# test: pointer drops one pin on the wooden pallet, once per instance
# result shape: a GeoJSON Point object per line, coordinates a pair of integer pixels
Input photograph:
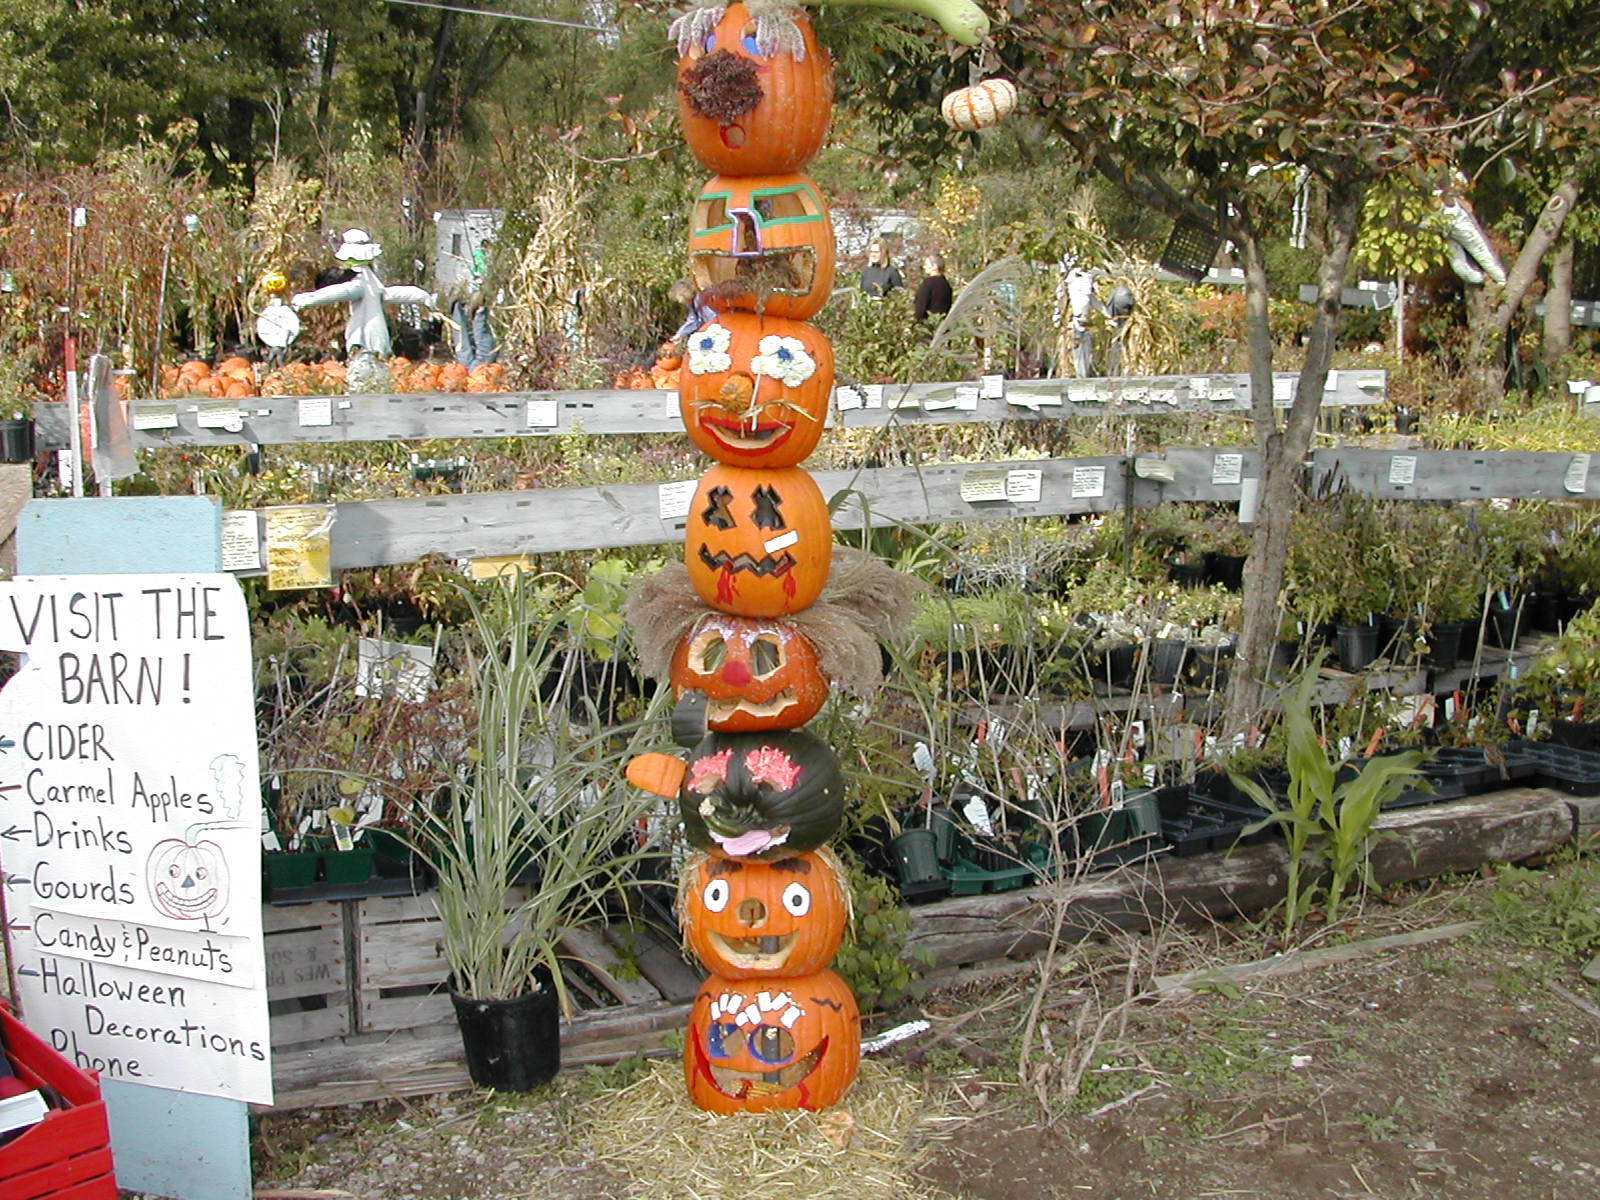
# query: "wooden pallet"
{"type": "Point", "coordinates": [308, 977]}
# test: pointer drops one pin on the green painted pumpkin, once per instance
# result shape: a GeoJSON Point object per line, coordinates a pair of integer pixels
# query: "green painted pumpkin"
{"type": "Point", "coordinates": [763, 796]}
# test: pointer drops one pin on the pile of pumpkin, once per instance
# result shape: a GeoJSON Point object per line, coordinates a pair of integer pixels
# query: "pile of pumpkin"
{"type": "Point", "coordinates": [663, 373]}
{"type": "Point", "coordinates": [446, 377]}
{"type": "Point", "coordinates": [735, 626]}
{"type": "Point", "coordinates": [232, 377]}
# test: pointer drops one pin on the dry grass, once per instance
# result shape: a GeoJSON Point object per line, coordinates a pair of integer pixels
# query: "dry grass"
{"type": "Point", "coordinates": [867, 1148]}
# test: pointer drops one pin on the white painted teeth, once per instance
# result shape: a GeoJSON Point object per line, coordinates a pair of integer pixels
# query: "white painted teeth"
{"type": "Point", "coordinates": [734, 1007]}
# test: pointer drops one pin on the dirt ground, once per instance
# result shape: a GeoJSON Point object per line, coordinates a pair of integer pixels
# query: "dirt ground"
{"type": "Point", "coordinates": [1465, 1068]}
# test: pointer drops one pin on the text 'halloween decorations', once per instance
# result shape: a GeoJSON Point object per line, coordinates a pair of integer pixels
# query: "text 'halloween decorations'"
{"type": "Point", "coordinates": [765, 616]}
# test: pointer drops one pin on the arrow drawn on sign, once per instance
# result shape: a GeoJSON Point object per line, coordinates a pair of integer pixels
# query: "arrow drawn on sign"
{"type": "Point", "coordinates": [13, 833]}
{"type": "Point", "coordinates": [5, 743]}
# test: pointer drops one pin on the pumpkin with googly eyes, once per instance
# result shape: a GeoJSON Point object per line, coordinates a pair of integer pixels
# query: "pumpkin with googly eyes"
{"type": "Point", "coordinates": [758, 543]}
{"type": "Point", "coordinates": [748, 107]}
{"type": "Point", "coordinates": [756, 673]}
{"type": "Point", "coordinates": [753, 391]}
{"type": "Point", "coordinates": [757, 1045]}
{"type": "Point", "coordinates": [761, 796]}
{"type": "Point", "coordinates": [747, 920]}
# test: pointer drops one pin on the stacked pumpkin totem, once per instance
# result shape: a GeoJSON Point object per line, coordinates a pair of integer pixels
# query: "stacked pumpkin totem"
{"type": "Point", "coordinates": [765, 616]}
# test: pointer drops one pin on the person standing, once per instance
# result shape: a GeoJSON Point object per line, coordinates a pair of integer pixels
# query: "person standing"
{"type": "Point", "coordinates": [934, 295]}
{"type": "Point", "coordinates": [880, 276]}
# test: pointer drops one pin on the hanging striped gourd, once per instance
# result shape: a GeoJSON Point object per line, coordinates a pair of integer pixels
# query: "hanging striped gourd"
{"type": "Point", "coordinates": [979, 106]}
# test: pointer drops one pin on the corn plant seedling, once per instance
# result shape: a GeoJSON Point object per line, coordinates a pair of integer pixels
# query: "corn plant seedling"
{"type": "Point", "coordinates": [1326, 815]}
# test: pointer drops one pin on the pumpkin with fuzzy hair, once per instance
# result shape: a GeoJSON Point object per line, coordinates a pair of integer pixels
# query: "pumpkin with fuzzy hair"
{"type": "Point", "coordinates": [756, 673]}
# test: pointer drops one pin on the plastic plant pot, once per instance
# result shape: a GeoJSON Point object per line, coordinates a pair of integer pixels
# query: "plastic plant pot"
{"type": "Point", "coordinates": [916, 864]}
{"type": "Point", "coordinates": [511, 1045]}
{"type": "Point", "coordinates": [1358, 646]}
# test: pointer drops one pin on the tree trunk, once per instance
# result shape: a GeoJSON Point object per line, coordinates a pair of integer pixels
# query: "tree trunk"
{"type": "Point", "coordinates": [1283, 450]}
{"type": "Point", "coordinates": [1558, 314]}
{"type": "Point", "coordinates": [1489, 322]}
{"type": "Point", "coordinates": [330, 50]}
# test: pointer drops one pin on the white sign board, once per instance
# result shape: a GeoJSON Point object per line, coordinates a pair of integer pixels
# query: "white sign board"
{"type": "Point", "coordinates": [130, 817]}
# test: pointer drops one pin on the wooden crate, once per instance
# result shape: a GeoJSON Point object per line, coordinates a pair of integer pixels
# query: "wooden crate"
{"type": "Point", "coordinates": [400, 964]}
{"type": "Point", "coordinates": [308, 976]}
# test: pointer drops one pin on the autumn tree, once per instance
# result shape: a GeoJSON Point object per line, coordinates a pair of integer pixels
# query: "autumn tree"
{"type": "Point", "coordinates": [1179, 103]}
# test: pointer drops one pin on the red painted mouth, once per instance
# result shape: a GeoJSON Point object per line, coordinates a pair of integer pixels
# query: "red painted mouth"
{"type": "Point", "coordinates": [741, 438]}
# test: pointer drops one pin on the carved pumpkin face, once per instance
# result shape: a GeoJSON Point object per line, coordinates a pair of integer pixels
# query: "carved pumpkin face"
{"type": "Point", "coordinates": [790, 1042]}
{"type": "Point", "coordinates": [749, 113]}
{"type": "Point", "coordinates": [758, 543]}
{"type": "Point", "coordinates": [187, 881]}
{"type": "Point", "coordinates": [755, 673]}
{"type": "Point", "coordinates": [761, 795]}
{"type": "Point", "coordinates": [763, 244]}
{"type": "Point", "coordinates": [747, 920]}
{"type": "Point", "coordinates": [754, 390]}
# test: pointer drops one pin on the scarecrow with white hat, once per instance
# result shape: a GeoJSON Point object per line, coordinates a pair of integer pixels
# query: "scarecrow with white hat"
{"type": "Point", "coordinates": [368, 326]}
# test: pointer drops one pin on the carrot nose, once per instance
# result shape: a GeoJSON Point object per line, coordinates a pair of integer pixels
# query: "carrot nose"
{"type": "Point", "coordinates": [737, 673]}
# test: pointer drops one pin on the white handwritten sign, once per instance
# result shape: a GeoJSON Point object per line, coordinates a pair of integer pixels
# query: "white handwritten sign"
{"type": "Point", "coordinates": [130, 811]}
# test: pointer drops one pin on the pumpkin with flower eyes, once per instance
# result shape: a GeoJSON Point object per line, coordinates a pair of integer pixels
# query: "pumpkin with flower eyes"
{"type": "Point", "coordinates": [755, 673]}
{"type": "Point", "coordinates": [756, 1045]}
{"type": "Point", "coordinates": [761, 795]}
{"type": "Point", "coordinates": [752, 105]}
{"type": "Point", "coordinates": [753, 390]}
{"type": "Point", "coordinates": [758, 543]}
{"type": "Point", "coordinates": [762, 243]}
{"type": "Point", "coordinates": [748, 920]}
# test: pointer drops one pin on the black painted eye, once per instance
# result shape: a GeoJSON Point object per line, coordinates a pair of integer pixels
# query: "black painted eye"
{"type": "Point", "coordinates": [718, 513]}
{"type": "Point", "coordinates": [769, 508]}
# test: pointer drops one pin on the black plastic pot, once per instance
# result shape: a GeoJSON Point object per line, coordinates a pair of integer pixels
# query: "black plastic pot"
{"type": "Point", "coordinates": [1207, 668]}
{"type": "Point", "coordinates": [16, 440]}
{"type": "Point", "coordinates": [1405, 420]}
{"type": "Point", "coordinates": [1186, 574]}
{"type": "Point", "coordinates": [1544, 611]}
{"type": "Point", "coordinates": [1226, 569]}
{"type": "Point", "coordinates": [1444, 646]}
{"type": "Point", "coordinates": [1579, 735]}
{"type": "Point", "coordinates": [1166, 660]}
{"type": "Point", "coordinates": [1120, 664]}
{"type": "Point", "coordinates": [511, 1045]}
{"type": "Point", "coordinates": [1358, 646]}
{"type": "Point", "coordinates": [1503, 627]}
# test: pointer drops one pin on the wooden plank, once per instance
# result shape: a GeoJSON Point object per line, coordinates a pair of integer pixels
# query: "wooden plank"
{"type": "Point", "coordinates": [1437, 839]}
{"type": "Point", "coordinates": [601, 961]}
{"type": "Point", "coordinates": [305, 962]}
{"type": "Point", "coordinates": [1183, 983]}
{"type": "Point", "coordinates": [1585, 817]}
{"type": "Point", "coordinates": [379, 1013]}
{"type": "Point", "coordinates": [280, 917]}
{"type": "Point", "coordinates": [401, 954]}
{"type": "Point", "coordinates": [1451, 474]}
{"type": "Point", "coordinates": [660, 960]}
{"type": "Point", "coordinates": [411, 416]}
{"type": "Point", "coordinates": [297, 1028]}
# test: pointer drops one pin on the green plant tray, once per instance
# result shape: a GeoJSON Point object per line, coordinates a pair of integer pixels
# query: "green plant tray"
{"type": "Point", "coordinates": [968, 880]}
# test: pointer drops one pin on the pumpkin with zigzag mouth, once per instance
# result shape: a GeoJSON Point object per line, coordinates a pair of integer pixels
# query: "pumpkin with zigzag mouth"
{"type": "Point", "coordinates": [758, 543]}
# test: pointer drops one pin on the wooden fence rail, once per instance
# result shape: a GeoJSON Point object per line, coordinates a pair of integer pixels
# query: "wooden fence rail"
{"type": "Point", "coordinates": [379, 532]}
{"type": "Point", "coordinates": [286, 420]}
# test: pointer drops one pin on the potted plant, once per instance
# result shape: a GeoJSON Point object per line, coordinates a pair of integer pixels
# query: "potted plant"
{"type": "Point", "coordinates": [17, 394]}
{"type": "Point", "coordinates": [536, 796]}
{"type": "Point", "coordinates": [1338, 576]}
{"type": "Point", "coordinates": [1563, 685]}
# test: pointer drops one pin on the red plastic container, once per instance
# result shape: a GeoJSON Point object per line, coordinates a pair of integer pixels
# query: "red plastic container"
{"type": "Point", "coordinates": [66, 1156]}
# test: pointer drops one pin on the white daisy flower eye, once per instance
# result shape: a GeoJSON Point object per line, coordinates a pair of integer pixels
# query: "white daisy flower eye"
{"type": "Point", "coordinates": [708, 349]}
{"type": "Point", "coordinates": [784, 359]}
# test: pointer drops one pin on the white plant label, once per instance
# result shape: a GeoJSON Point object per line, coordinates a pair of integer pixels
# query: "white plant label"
{"type": "Point", "coordinates": [1088, 482]}
{"type": "Point", "coordinates": [673, 499]}
{"type": "Point", "coordinates": [1403, 469]}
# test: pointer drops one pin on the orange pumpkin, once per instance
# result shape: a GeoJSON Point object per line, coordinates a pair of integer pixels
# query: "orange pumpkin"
{"type": "Point", "coordinates": [753, 391]}
{"type": "Point", "coordinates": [763, 243]}
{"type": "Point", "coordinates": [752, 920]}
{"type": "Point", "coordinates": [758, 543]}
{"type": "Point", "coordinates": [788, 1042]}
{"type": "Point", "coordinates": [755, 673]}
{"type": "Point", "coordinates": [749, 113]}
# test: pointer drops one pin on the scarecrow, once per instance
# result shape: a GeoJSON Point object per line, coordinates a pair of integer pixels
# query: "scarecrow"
{"type": "Point", "coordinates": [368, 325]}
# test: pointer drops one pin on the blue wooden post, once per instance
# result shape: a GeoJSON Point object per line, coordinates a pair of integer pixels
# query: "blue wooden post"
{"type": "Point", "coordinates": [164, 1142]}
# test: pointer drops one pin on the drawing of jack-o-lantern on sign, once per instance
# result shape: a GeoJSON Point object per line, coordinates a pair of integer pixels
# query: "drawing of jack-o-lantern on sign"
{"type": "Point", "coordinates": [187, 881]}
{"type": "Point", "coordinates": [750, 105]}
{"type": "Point", "coordinates": [753, 391]}
{"type": "Point", "coordinates": [754, 1045]}
{"type": "Point", "coordinates": [758, 542]}
{"type": "Point", "coordinates": [764, 244]}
